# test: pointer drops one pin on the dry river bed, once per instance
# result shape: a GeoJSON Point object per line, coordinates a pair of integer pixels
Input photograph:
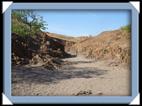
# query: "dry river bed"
{"type": "Point", "coordinates": [82, 77]}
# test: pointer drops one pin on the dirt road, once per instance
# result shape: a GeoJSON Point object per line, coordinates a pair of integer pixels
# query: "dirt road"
{"type": "Point", "coordinates": [79, 77]}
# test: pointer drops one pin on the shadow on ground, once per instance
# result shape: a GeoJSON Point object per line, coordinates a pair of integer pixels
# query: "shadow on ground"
{"type": "Point", "coordinates": [42, 75]}
{"type": "Point", "coordinates": [68, 55]}
{"type": "Point", "coordinates": [80, 62]}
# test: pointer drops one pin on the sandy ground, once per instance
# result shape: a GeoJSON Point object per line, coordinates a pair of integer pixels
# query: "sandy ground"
{"type": "Point", "coordinates": [80, 77]}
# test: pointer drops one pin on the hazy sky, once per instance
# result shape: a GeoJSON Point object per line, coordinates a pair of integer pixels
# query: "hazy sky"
{"type": "Point", "coordinates": [78, 23]}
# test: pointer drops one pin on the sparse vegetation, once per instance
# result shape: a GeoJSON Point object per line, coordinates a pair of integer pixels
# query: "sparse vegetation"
{"type": "Point", "coordinates": [126, 28]}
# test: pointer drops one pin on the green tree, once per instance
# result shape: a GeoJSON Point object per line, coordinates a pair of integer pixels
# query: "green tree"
{"type": "Point", "coordinates": [26, 22]}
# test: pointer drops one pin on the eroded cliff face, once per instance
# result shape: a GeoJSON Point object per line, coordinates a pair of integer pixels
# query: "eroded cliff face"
{"type": "Point", "coordinates": [39, 49]}
{"type": "Point", "coordinates": [107, 45]}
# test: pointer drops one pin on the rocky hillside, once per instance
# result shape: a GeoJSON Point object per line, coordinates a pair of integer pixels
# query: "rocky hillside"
{"type": "Point", "coordinates": [38, 49]}
{"type": "Point", "coordinates": [45, 47]}
{"type": "Point", "coordinates": [107, 45]}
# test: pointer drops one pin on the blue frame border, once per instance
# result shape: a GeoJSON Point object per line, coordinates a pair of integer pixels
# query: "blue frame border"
{"type": "Point", "coordinates": [72, 99]}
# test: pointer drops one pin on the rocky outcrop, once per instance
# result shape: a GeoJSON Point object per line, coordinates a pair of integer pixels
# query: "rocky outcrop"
{"type": "Point", "coordinates": [39, 49]}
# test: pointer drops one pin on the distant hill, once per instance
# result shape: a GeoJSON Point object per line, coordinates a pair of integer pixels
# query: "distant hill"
{"type": "Point", "coordinates": [63, 37]}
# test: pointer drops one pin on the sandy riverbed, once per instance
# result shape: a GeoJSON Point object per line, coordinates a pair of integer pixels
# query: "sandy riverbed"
{"type": "Point", "coordinates": [81, 77]}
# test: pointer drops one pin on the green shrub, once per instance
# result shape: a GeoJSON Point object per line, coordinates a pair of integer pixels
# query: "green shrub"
{"type": "Point", "coordinates": [126, 28]}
